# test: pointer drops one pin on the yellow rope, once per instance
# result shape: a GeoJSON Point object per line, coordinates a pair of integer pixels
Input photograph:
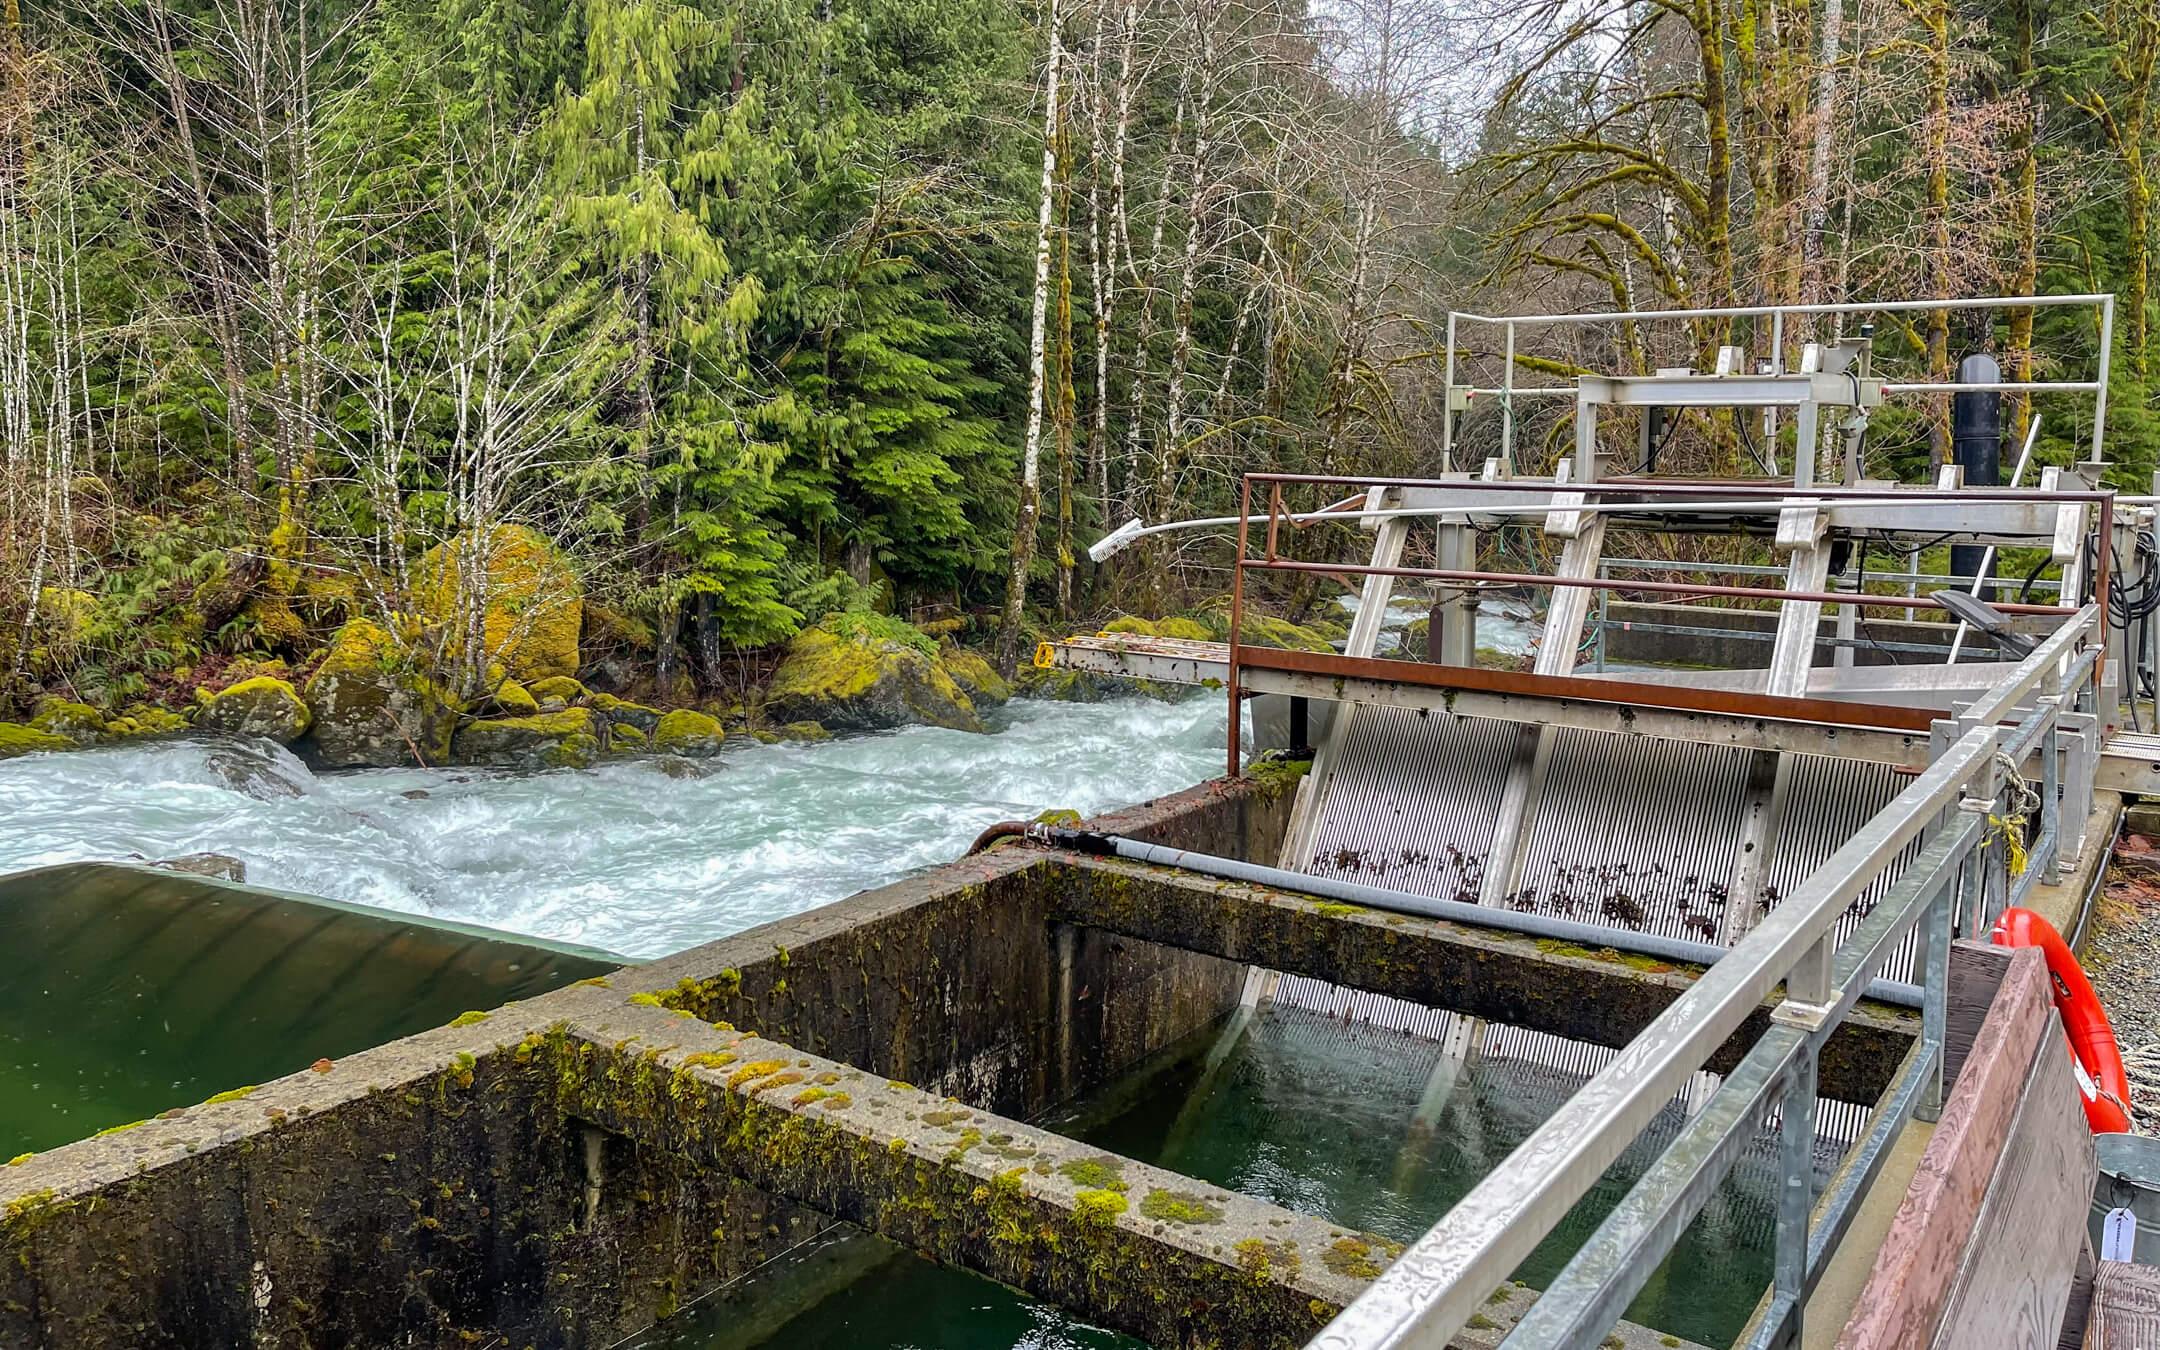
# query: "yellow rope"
{"type": "Point", "coordinates": [2011, 830]}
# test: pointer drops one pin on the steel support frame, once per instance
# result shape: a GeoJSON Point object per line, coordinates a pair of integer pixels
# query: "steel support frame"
{"type": "Point", "coordinates": [1440, 1280]}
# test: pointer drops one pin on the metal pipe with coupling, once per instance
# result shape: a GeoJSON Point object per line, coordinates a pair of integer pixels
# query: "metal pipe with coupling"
{"type": "Point", "coordinates": [1395, 901]}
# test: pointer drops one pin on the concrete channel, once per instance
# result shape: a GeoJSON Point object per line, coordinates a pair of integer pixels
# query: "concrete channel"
{"type": "Point", "coordinates": [565, 1170]}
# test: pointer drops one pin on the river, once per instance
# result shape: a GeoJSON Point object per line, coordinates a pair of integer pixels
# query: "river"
{"type": "Point", "coordinates": [624, 857]}
{"type": "Point", "coordinates": [621, 856]}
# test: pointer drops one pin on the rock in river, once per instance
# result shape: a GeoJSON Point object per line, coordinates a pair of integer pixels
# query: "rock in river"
{"type": "Point", "coordinates": [862, 673]}
{"type": "Point", "coordinates": [556, 740]}
{"type": "Point", "coordinates": [373, 707]}
{"type": "Point", "coordinates": [264, 706]}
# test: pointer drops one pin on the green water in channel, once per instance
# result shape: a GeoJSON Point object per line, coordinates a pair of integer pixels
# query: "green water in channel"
{"type": "Point", "coordinates": [1371, 1129]}
{"type": "Point", "coordinates": [130, 991]}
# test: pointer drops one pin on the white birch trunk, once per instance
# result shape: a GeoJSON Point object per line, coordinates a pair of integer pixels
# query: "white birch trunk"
{"type": "Point", "coordinates": [1024, 520]}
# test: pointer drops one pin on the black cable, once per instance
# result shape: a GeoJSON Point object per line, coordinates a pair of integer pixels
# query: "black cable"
{"type": "Point", "coordinates": [1860, 588]}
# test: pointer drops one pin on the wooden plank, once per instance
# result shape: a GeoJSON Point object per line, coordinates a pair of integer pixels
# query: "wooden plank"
{"type": "Point", "coordinates": [2125, 1308]}
{"type": "Point", "coordinates": [1909, 1285]}
{"type": "Point", "coordinates": [1976, 973]}
{"type": "Point", "coordinates": [2021, 1258]}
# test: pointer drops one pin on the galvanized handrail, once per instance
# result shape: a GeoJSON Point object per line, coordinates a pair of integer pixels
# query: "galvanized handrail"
{"type": "Point", "coordinates": [1507, 391]}
{"type": "Point", "coordinates": [1442, 1279]}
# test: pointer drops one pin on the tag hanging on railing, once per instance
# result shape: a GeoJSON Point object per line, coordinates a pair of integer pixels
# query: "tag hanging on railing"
{"type": "Point", "coordinates": [2118, 1236]}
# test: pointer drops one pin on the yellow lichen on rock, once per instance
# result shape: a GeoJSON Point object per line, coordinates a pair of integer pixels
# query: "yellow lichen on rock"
{"type": "Point", "coordinates": [17, 739]}
{"type": "Point", "coordinates": [975, 675]}
{"type": "Point", "coordinates": [532, 602]}
{"type": "Point", "coordinates": [859, 672]}
{"type": "Point", "coordinates": [557, 740]}
{"type": "Point", "coordinates": [262, 706]}
{"type": "Point", "coordinates": [686, 731]}
{"type": "Point", "coordinates": [372, 705]}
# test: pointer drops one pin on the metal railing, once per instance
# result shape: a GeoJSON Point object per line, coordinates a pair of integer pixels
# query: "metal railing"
{"type": "Point", "coordinates": [1960, 806]}
{"type": "Point", "coordinates": [1511, 325]}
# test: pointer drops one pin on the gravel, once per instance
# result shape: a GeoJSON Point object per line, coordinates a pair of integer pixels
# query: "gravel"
{"type": "Point", "coordinates": [2122, 955]}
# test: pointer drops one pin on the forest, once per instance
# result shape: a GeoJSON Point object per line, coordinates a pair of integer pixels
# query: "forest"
{"type": "Point", "coordinates": [375, 332]}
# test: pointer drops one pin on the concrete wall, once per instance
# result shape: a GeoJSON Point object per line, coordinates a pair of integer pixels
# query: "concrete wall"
{"type": "Point", "coordinates": [426, 1191]}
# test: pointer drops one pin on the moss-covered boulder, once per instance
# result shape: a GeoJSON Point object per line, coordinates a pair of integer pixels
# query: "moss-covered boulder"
{"type": "Point", "coordinates": [263, 706]}
{"type": "Point", "coordinates": [558, 740]}
{"type": "Point", "coordinates": [18, 739]}
{"type": "Point", "coordinates": [976, 676]}
{"type": "Point", "coordinates": [1265, 630]}
{"type": "Point", "coordinates": [77, 723]}
{"type": "Point", "coordinates": [139, 721]}
{"type": "Point", "coordinates": [861, 672]}
{"type": "Point", "coordinates": [1176, 626]}
{"type": "Point", "coordinates": [1064, 686]}
{"type": "Point", "coordinates": [624, 739]}
{"type": "Point", "coordinates": [689, 733]}
{"type": "Point", "coordinates": [801, 733]}
{"type": "Point", "coordinates": [558, 689]}
{"type": "Point", "coordinates": [532, 602]}
{"type": "Point", "coordinates": [623, 713]}
{"type": "Point", "coordinates": [508, 698]}
{"type": "Point", "coordinates": [373, 707]}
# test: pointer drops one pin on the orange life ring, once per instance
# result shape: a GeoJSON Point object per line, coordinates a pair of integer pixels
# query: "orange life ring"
{"type": "Point", "coordinates": [2101, 1081]}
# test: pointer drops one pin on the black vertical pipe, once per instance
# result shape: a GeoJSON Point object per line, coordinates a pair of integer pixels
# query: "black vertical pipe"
{"type": "Point", "coordinates": [1976, 442]}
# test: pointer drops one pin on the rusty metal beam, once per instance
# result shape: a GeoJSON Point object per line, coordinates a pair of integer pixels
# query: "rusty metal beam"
{"type": "Point", "coordinates": [1610, 692]}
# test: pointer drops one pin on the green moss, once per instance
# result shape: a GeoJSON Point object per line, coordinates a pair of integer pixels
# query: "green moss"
{"type": "Point", "coordinates": [686, 731]}
{"type": "Point", "coordinates": [809, 1095]}
{"type": "Point", "coordinates": [1480, 1322]}
{"type": "Point", "coordinates": [1671, 1342]}
{"type": "Point", "coordinates": [709, 1059]}
{"type": "Point", "coordinates": [862, 626]}
{"type": "Point", "coordinates": [20, 1158]}
{"type": "Point", "coordinates": [976, 675]}
{"type": "Point", "coordinates": [569, 739]}
{"type": "Point", "coordinates": [467, 1019]}
{"type": "Point", "coordinates": [1353, 1256]}
{"type": "Point", "coordinates": [757, 1069]}
{"type": "Point", "coordinates": [119, 1129]}
{"type": "Point", "coordinates": [1278, 774]}
{"type": "Point", "coordinates": [262, 706]}
{"type": "Point", "coordinates": [1334, 910]}
{"type": "Point", "coordinates": [1097, 1209]}
{"type": "Point", "coordinates": [1265, 630]}
{"type": "Point", "coordinates": [1264, 1260]}
{"type": "Point", "coordinates": [1101, 1173]}
{"type": "Point", "coordinates": [232, 1095]}
{"type": "Point", "coordinates": [17, 739]}
{"type": "Point", "coordinates": [649, 999]}
{"type": "Point", "coordinates": [1179, 1207]}
{"type": "Point", "coordinates": [557, 687]}
{"type": "Point", "coordinates": [1606, 955]}
{"type": "Point", "coordinates": [838, 1101]}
